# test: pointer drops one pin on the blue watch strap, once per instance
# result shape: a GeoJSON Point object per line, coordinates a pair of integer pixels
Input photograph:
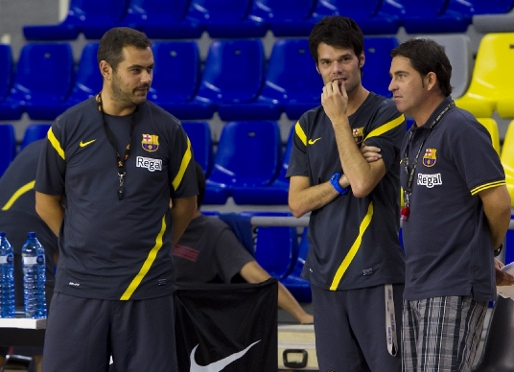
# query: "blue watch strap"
{"type": "Point", "coordinates": [334, 181]}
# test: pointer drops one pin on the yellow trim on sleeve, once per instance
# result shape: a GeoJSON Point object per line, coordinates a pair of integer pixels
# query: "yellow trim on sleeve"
{"type": "Point", "coordinates": [354, 248]}
{"type": "Point", "coordinates": [183, 166]}
{"type": "Point", "coordinates": [146, 265]}
{"type": "Point", "coordinates": [22, 190]}
{"type": "Point", "coordinates": [55, 143]}
{"type": "Point", "coordinates": [300, 133]}
{"type": "Point", "coordinates": [386, 127]}
{"type": "Point", "coordinates": [486, 186]}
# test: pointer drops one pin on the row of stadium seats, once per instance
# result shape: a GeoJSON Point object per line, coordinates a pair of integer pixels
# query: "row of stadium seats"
{"type": "Point", "coordinates": [185, 19]}
{"type": "Point", "coordinates": [249, 163]}
{"type": "Point", "coordinates": [46, 83]}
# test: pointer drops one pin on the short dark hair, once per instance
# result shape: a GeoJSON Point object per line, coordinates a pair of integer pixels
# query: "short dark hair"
{"type": "Point", "coordinates": [336, 31]}
{"type": "Point", "coordinates": [426, 56]}
{"type": "Point", "coordinates": [200, 179]}
{"type": "Point", "coordinates": [113, 41]}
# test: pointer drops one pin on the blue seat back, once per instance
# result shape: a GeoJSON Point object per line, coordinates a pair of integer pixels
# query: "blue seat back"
{"type": "Point", "coordinates": [44, 71]}
{"type": "Point", "coordinates": [83, 11]}
{"type": "Point", "coordinates": [348, 8]}
{"type": "Point", "coordinates": [291, 74]}
{"type": "Point", "coordinates": [34, 132]}
{"type": "Point", "coordinates": [220, 10]}
{"type": "Point", "coordinates": [7, 146]}
{"type": "Point", "coordinates": [492, 6]}
{"type": "Point", "coordinates": [172, 9]}
{"type": "Point", "coordinates": [88, 81]}
{"type": "Point", "coordinates": [286, 156]}
{"type": "Point", "coordinates": [199, 134]}
{"type": "Point", "coordinates": [176, 71]}
{"type": "Point", "coordinates": [233, 71]}
{"type": "Point", "coordinates": [375, 75]}
{"type": "Point", "coordinates": [248, 154]}
{"type": "Point", "coordinates": [278, 10]}
{"type": "Point", "coordinates": [6, 67]}
{"type": "Point", "coordinates": [424, 9]}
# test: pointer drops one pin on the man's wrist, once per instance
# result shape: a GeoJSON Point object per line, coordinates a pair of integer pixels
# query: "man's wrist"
{"type": "Point", "coordinates": [498, 250]}
{"type": "Point", "coordinates": [334, 181]}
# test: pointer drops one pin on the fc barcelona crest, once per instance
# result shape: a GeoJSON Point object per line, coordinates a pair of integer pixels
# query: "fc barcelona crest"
{"type": "Point", "coordinates": [358, 135]}
{"type": "Point", "coordinates": [429, 159]}
{"type": "Point", "coordinates": [150, 142]}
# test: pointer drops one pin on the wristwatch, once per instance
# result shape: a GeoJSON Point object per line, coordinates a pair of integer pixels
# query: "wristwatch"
{"type": "Point", "coordinates": [498, 250]}
{"type": "Point", "coordinates": [334, 181]}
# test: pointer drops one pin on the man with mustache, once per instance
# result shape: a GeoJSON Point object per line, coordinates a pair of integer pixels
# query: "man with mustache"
{"type": "Point", "coordinates": [106, 174]}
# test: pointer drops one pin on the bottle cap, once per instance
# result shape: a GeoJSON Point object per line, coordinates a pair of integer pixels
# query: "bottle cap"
{"type": "Point", "coordinates": [32, 235]}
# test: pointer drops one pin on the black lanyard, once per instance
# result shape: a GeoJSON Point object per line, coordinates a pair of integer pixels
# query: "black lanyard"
{"type": "Point", "coordinates": [412, 171]}
{"type": "Point", "coordinates": [110, 137]}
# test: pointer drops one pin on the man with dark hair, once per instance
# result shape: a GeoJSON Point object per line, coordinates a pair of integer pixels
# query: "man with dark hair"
{"type": "Point", "coordinates": [355, 262]}
{"type": "Point", "coordinates": [107, 172]}
{"type": "Point", "coordinates": [456, 214]}
{"type": "Point", "coordinates": [209, 252]}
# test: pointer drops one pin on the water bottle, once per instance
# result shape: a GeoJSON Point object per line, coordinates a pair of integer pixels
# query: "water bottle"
{"type": "Point", "coordinates": [34, 277]}
{"type": "Point", "coordinates": [7, 306]}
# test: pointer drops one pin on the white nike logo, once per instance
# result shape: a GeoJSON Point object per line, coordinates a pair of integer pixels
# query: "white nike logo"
{"type": "Point", "coordinates": [220, 364]}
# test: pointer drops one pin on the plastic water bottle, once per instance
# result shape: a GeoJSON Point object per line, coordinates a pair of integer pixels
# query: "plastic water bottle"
{"type": "Point", "coordinates": [34, 277]}
{"type": "Point", "coordinates": [7, 306]}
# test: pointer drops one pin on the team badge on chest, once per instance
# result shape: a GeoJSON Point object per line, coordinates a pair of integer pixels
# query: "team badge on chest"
{"type": "Point", "coordinates": [429, 159]}
{"type": "Point", "coordinates": [150, 142]}
{"type": "Point", "coordinates": [358, 134]}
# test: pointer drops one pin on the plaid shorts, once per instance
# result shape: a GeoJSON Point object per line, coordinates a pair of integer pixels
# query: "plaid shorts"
{"type": "Point", "coordinates": [441, 333]}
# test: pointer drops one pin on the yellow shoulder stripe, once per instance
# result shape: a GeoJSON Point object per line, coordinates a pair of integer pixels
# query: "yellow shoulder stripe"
{"type": "Point", "coordinates": [183, 166]}
{"type": "Point", "coordinates": [22, 190]}
{"type": "Point", "coordinates": [386, 127]}
{"type": "Point", "coordinates": [300, 133]}
{"type": "Point", "coordinates": [55, 143]}
{"type": "Point", "coordinates": [146, 265]}
{"type": "Point", "coordinates": [353, 250]}
{"type": "Point", "coordinates": [486, 186]}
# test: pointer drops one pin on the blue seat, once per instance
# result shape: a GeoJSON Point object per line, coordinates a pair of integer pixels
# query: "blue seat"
{"type": "Point", "coordinates": [232, 79]}
{"type": "Point", "coordinates": [176, 80]}
{"type": "Point", "coordinates": [275, 193]}
{"type": "Point", "coordinates": [10, 109]}
{"type": "Point", "coordinates": [375, 75]}
{"type": "Point", "coordinates": [7, 146]}
{"type": "Point", "coordinates": [298, 286]}
{"type": "Point", "coordinates": [492, 6]}
{"type": "Point", "coordinates": [200, 136]}
{"type": "Point", "coordinates": [276, 247]}
{"type": "Point", "coordinates": [248, 155]}
{"type": "Point", "coordinates": [34, 132]}
{"type": "Point", "coordinates": [493, 16]}
{"type": "Point", "coordinates": [43, 79]}
{"type": "Point", "coordinates": [88, 79]}
{"type": "Point", "coordinates": [436, 16]}
{"type": "Point", "coordinates": [91, 17]}
{"type": "Point", "coordinates": [227, 18]}
{"type": "Point", "coordinates": [162, 19]}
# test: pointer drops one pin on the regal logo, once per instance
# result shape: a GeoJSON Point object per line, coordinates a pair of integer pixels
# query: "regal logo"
{"type": "Point", "coordinates": [358, 135]}
{"type": "Point", "coordinates": [150, 142]}
{"type": "Point", "coordinates": [429, 159]}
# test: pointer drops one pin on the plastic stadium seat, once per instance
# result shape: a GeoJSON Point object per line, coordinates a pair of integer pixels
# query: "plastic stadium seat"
{"type": "Point", "coordinates": [507, 159]}
{"type": "Point", "coordinates": [248, 155]}
{"type": "Point", "coordinates": [162, 19]}
{"type": "Point", "coordinates": [493, 78]}
{"type": "Point", "coordinates": [227, 18]}
{"type": "Point", "coordinates": [232, 78]}
{"type": "Point", "coordinates": [88, 79]}
{"type": "Point", "coordinates": [436, 16]}
{"type": "Point", "coordinates": [176, 80]}
{"type": "Point", "coordinates": [91, 17]}
{"type": "Point", "coordinates": [201, 140]}
{"type": "Point", "coordinates": [298, 286]}
{"type": "Point", "coordinates": [493, 16]}
{"type": "Point", "coordinates": [275, 193]}
{"type": "Point", "coordinates": [34, 132]}
{"type": "Point", "coordinates": [7, 146]}
{"type": "Point", "coordinates": [9, 109]}
{"type": "Point", "coordinates": [375, 75]}
{"type": "Point", "coordinates": [458, 50]}
{"type": "Point", "coordinates": [492, 128]}
{"type": "Point", "coordinates": [43, 79]}
{"type": "Point", "coordinates": [276, 247]}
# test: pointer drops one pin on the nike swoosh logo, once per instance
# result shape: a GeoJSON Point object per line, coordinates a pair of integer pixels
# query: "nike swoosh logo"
{"type": "Point", "coordinates": [312, 142]}
{"type": "Point", "coordinates": [84, 144]}
{"type": "Point", "coordinates": [220, 364]}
